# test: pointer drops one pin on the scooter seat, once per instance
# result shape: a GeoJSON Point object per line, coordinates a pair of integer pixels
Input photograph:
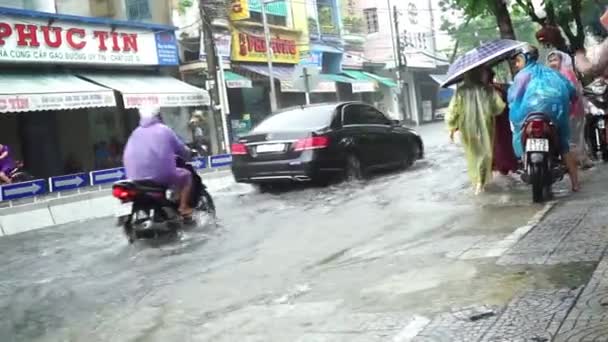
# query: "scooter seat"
{"type": "Point", "coordinates": [142, 185]}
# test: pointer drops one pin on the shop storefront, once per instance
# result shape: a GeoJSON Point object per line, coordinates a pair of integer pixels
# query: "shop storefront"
{"type": "Point", "coordinates": [70, 88]}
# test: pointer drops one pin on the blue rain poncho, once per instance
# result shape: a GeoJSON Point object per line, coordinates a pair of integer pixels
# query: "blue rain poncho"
{"type": "Point", "coordinates": [537, 88]}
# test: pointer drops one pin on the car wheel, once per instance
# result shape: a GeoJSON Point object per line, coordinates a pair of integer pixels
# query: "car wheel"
{"type": "Point", "coordinates": [411, 157]}
{"type": "Point", "coordinates": [263, 187]}
{"type": "Point", "coordinates": [354, 170]}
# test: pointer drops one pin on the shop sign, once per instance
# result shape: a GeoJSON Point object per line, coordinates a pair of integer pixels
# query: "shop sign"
{"type": "Point", "coordinates": [163, 100]}
{"type": "Point", "coordinates": [239, 9]}
{"type": "Point", "coordinates": [223, 41]}
{"type": "Point", "coordinates": [33, 102]}
{"type": "Point", "coordinates": [238, 84]}
{"type": "Point", "coordinates": [321, 87]}
{"type": "Point", "coordinates": [248, 47]}
{"type": "Point", "coordinates": [363, 87]}
{"type": "Point", "coordinates": [35, 41]}
{"type": "Point", "coordinates": [314, 58]}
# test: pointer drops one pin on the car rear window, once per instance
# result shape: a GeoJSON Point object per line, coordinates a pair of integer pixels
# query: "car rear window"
{"type": "Point", "coordinates": [298, 119]}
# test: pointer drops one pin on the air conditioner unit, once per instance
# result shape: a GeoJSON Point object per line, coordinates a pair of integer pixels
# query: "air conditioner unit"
{"type": "Point", "coordinates": [102, 8]}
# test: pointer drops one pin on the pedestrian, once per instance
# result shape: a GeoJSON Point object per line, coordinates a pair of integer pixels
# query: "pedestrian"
{"type": "Point", "coordinates": [7, 164]}
{"type": "Point", "coordinates": [562, 62]}
{"type": "Point", "coordinates": [505, 160]}
{"type": "Point", "coordinates": [598, 67]}
{"type": "Point", "coordinates": [472, 112]}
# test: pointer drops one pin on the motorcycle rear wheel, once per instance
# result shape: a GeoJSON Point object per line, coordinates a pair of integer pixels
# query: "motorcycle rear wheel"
{"type": "Point", "coordinates": [538, 183]}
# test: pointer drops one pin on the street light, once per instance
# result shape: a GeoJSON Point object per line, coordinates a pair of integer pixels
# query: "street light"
{"type": "Point", "coordinates": [269, 57]}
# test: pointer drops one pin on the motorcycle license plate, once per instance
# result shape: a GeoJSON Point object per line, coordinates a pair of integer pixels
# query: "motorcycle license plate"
{"type": "Point", "coordinates": [537, 145]}
{"type": "Point", "coordinates": [601, 124]}
{"type": "Point", "coordinates": [123, 209]}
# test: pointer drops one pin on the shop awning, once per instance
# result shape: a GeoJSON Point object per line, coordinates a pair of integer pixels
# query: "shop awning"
{"type": "Point", "coordinates": [282, 73]}
{"type": "Point", "coordinates": [368, 76]}
{"type": "Point", "coordinates": [384, 80]}
{"type": "Point", "coordinates": [140, 90]}
{"type": "Point", "coordinates": [236, 81]}
{"type": "Point", "coordinates": [24, 92]}
{"type": "Point", "coordinates": [358, 86]}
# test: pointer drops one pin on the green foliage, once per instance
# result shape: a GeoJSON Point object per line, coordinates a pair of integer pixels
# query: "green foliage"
{"type": "Point", "coordinates": [182, 5]}
{"type": "Point", "coordinates": [353, 24]}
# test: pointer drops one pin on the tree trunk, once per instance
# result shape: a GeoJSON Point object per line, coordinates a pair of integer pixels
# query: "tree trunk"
{"type": "Point", "coordinates": [503, 19]}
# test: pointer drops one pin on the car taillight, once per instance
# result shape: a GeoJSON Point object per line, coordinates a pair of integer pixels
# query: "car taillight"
{"type": "Point", "coordinates": [312, 143]}
{"type": "Point", "coordinates": [238, 149]}
{"type": "Point", "coordinates": [537, 128]}
{"type": "Point", "coordinates": [123, 194]}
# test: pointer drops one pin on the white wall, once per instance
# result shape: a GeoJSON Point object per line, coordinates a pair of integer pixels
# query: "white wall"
{"type": "Point", "coordinates": [73, 7]}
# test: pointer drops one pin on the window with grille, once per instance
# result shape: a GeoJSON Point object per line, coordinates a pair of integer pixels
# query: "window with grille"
{"type": "Point", "coordinates": [138, 9]}
{"type": "Point", "coordinates": [371, 19]}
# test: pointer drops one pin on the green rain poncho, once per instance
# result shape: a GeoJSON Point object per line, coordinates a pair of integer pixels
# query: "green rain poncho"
{"type": "Point", "coordinates": [472, 112]}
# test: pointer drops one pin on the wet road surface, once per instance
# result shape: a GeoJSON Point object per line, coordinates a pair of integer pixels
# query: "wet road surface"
{"type": "Point", "coordinates": [351, 262]}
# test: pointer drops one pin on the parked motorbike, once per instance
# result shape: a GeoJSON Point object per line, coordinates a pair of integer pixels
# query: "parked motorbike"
{"type": "Point", "coordinates": [542, 160]}
{"type": "Point", "coordinates": [149, 210]}
{"type": "Point", "coordinates": [596, 111]}
{"type": "Point", "coordinates": [18, 174]}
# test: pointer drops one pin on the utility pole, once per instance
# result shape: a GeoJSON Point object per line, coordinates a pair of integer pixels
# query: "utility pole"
{"type": "Point", "coordinates": [400, 64]}
{"type": "Point", "coordinates": [269, 57]}
{"type": "Point", "coordinates": [211, 55]}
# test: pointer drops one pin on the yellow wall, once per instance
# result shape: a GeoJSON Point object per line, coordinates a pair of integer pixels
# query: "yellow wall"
{"type": "Point", "coordinates": [299, 19]}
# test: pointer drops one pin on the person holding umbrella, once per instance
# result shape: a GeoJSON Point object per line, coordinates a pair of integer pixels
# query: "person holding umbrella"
{"type": "Point", "coordinates": [476, 104]}
{"type": "Point", "coordinates": [472, 112]}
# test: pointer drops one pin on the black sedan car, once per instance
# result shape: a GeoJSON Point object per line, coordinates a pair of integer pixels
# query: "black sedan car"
{"type": "Point", "coordinates": [319, 142]}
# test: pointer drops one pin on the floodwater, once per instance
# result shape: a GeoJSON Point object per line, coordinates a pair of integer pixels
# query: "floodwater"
{"type": "Point", "coordinates": [351, 262]}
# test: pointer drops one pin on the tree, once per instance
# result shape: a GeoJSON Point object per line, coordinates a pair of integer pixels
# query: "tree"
{"type": "Point", "coordinates": [471, 33]}
{"type": "Point", "coordinates": [565, 14]}
{"type": "Point", "coordinates": [476, 8]}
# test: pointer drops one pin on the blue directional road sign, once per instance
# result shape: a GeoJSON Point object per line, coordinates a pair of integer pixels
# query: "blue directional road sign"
{"type": "Point", "coordinates": [220, 160]}
{"type": "Point", "coordinates": [68, 182]}
{"type": "Point", "coordinates": [199, 163]}
{"type": "Point", "coordinates": [22, 190]}
{"type": "Point", "coordinates": [107, 176]}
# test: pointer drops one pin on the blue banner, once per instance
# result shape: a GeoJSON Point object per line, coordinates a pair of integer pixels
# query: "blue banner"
{"type": "Point", "coordinates": [220, 160]}
{"type": "Point", "coordinates": [107, 176]}
{"type": "Point", "coordinates": [69, 182]}
{"type": "Point", "coordinates": [22, 190]}
{"type": "Point", "coordinates": [166, 48]}
{"type": "Point", "coordinates": [199, 163]}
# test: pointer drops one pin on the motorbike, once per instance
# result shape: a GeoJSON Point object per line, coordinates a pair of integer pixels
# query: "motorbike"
{"type": "Point", "coordinates": [542, 160]}
{"type": "Point", "coordinates": [596, 112]}
{"type": "Point", "coordinates": [18, 174]}
{"type": "Point", "coordinates": [149, 210]}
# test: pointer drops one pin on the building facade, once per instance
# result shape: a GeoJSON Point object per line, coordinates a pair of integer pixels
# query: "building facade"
{"type": "Point", "coordinates": [74, 74]}
{"type": "Point", "coordinates": [416, 98]}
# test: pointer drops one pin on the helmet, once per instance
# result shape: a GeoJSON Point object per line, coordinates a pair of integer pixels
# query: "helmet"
{"type": "Point", "coordinates": [530, 52]}
{"type": "Point", "coordinates": [149, 112]}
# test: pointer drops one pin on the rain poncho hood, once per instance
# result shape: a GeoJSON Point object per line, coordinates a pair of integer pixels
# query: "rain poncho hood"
{"type": "Point", "coordinates": [150, 152]}
{"type": "Point", "coordinates": [472, 111]}
{"type": "Point", "coordinates": [540, 89]}
{"type": "Point", "coordinates": [567, 70]}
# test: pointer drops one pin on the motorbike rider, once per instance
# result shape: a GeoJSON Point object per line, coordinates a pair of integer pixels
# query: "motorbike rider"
{"type": "Point", "coordinates": [537, 88]}
{"type": "Point", "coordinates": [6, 164]}
{"type": "Point", "coordinates": [150, 155]}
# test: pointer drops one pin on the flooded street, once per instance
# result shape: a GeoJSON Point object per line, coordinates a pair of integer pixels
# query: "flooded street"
{"type": "Point", "coordinates": [351, 262]}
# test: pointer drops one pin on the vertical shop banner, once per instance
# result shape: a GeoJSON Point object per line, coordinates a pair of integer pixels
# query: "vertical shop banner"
{"type": "Point", "coordinates": [166, 48]}
{"type": "Point", "coordinates": [223, 46]}
{"type": "Point", "coordinates": [239, 10]}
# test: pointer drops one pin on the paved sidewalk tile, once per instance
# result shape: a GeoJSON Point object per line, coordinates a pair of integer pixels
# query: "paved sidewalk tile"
{"type": "Point", "coordinates": [588, 320]}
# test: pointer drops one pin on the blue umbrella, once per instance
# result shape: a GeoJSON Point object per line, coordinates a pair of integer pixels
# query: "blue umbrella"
{"type": "Point", "coordinates": [487, 53]}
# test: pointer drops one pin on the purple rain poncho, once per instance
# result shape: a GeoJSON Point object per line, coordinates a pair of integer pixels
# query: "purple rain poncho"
{"type": "Point", "coordinates": [150, 152]}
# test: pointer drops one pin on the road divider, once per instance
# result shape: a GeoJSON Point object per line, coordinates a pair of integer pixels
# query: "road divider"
{"type": "Point", "coordinates": [76, 181]}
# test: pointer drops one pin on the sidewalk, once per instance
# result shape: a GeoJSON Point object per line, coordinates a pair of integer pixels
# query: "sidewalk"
{"type": "Point", "coordinates": [573, 235]}
{"type": "Point", "coordinates": [78, 205]}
